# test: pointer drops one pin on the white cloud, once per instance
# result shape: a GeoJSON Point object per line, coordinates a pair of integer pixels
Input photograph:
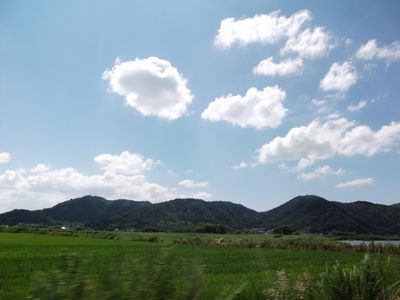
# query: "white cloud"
{"type": "Point", "coordinates": [304, 163]}
{"type": "Point", "coordinates": [265, 29]}
{"type": "Point", "coordinates": [361, 104]}
{"type": "Point", "coordinates": [356, 182]}
{"type": "Point", "coordinates": [371, 50]}
{"type": "Point", "coordinates": [362, 140]}
{"type": "Point", "coordinates": [239, 166]}
{"type": "Point", "coordinates": [125, 163]}
{"type": "Point", "coordinates": [40, 168]}
{"type": "Point", "coordinates": [319, 172]}
{"type": "Point", "coordinates": [152, 86]}
{"type": "Point", "coordinates": [324, 139]}
{"type": "Point", "coordinates": [188, 183]}
{"type": "Point", "coordinates": [258, 108]}
{"type": "Point", "coordinates": [309, 43]}
{"type": "Point", "coordinates": [43, 187]}
{"type": "Point", "coordinates": [324, 106]}
{"type": "Point", "coordinates": [34, 191]}
{"type": "Point", "coordinates": [340, 77]}
{"type": "Point", "coordinates": [286, 67]}
{"type": "Point", "coordinates": [314, 141]}
{"type": "Point", "coordinates": [319, 103]}
{"type": "Point", "coordinates": [4, 157]}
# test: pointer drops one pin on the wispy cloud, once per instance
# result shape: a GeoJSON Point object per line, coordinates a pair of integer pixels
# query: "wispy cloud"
{"type": "Point", "coordinates": [356, 182]}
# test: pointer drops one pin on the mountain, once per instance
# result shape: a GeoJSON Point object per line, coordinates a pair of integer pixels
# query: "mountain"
{"type": "Point", "coordinates": [396, 204]}
{"type": "Point", "coordinates": [90, 207]}
{"type": "Point", "coordinates": [175, 215]}
{"type": "Point", "coordinates": [78, 211]}
{"type": "Point", "coordinates": [303, 213]}
{"type": "Point", "coordinates": [316, 214]}
{"type": "Point", "coordinates": [182, 213]}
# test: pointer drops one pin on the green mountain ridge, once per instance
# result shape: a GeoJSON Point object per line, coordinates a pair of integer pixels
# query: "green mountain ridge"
{"type": "Point", "coordinates": [303, 213]}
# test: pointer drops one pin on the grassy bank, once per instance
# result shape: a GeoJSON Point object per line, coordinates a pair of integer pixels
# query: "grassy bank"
{"type": "Point", "coordinates": [307, 242]}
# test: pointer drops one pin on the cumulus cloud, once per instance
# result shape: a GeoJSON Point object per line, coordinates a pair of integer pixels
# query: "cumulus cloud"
{"type": "Point", "coordinates": [356, 182]}
{"type": "Point", "coordinates": [4, 157]}
{"type": "Point", "coordinates": [265, 29]}
{"type": "Point", "coordinates": [43, 187]}
{"type": "Point", "coordinates": [340, 77]}
{"type": "Point", "coordinates": [40, 168]}
{"type": "Point", "coordinates": [60, 184]}
{"type": "Point", "coordinates": [125, 163]}
{"type": "Point", "coordinates": [356, 107]}
{"type": "Point", "coordinates": [371, 50]}
{"type": "Point", "coordinates": [309, 43]}
{"type": "Point", "coordinates": [257, 108]}
{"type": "Point", "coordinates": [322, 139]}
{"type": "Point", "coordinates": [286, 67]}
{"type": "Point", "coordinates": [319, 172]}
{"type": "Point", "coordinates": [188, 183]}
{"type": "Point", "coordinates": [152, 86]}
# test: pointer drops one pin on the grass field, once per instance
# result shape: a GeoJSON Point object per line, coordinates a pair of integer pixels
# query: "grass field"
{"type": "Point", "coordinates": [225, 268]}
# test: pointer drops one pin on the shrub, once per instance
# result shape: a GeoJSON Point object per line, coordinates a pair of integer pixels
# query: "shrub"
{"type": "Point", "coordinates": [214, 228]}
{"type": "Point", "coordinates": [283, 230]}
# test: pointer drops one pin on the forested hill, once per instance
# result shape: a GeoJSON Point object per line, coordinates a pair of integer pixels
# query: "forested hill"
{"type": "Point", "coordinates": [303, 213]}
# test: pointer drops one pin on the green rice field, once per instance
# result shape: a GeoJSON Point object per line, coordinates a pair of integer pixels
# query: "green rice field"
{"type": "Point", "coordinates": [225, 270]}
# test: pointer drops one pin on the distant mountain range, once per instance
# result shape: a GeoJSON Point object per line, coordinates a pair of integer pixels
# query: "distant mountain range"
{"type": "Point", "coordinates": [303, 213]}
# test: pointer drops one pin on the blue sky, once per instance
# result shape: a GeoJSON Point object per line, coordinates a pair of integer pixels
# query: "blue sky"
{"type": "Point", "coordinates": [251, 102]}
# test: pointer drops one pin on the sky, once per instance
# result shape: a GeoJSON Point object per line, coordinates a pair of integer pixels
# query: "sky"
{"type": "Point", "coordinates": [253, 102]}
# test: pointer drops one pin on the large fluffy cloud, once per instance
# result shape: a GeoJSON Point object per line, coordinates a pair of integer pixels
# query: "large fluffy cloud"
{"type": "Point", "coordinates": [309, 43]}
{"type": "Point", "coordinates": [324, 139]}
{"type": "Point", "coordinates": [340, 77]}
{"type": "Point", "coordinates": [286, 67]}
{"type": "Point", "coordinates": [125, 163]}
{"type": "Point", "coordinates": [4, 157]}
{"type": "Point", "coordinates": [152, 86]}
{"type": "Point", "coordinates": [42, 186]}
{"type": "Point", "coordinates": [265, 29]}
{"type": "Point", "coordinates": [371, 50]}
{"type": "Point", "coordinates": [61, 184]}
{"type": "Point", "coordinates": [257, 108]}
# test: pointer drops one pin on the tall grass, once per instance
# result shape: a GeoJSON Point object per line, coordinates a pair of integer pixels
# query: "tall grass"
{"type": "Point", "coordinates": [372, 279]}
